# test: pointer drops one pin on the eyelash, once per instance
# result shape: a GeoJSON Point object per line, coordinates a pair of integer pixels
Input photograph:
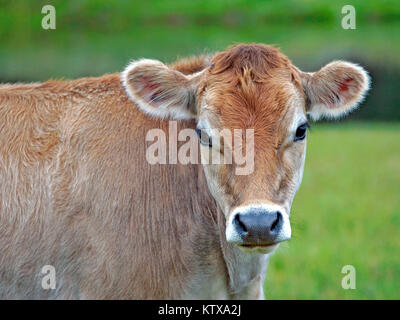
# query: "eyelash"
{"type": "Point", "coordinates": [205, 139]}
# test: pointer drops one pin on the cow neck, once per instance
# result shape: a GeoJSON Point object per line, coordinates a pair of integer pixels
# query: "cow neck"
{"type": "Point", "coordinates": [242, 267]}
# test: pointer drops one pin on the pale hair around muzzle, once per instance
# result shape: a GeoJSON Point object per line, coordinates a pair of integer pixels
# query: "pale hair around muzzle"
{"type": "Point", "coordinates": [258, 225]}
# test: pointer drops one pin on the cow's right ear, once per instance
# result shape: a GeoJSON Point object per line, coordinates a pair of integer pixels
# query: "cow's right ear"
{"type": "Point", "coordinates": [160, 91]}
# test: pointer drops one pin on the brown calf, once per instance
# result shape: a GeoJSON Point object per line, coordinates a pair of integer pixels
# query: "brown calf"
{"type": "Point", "coordinates": [77, 192]}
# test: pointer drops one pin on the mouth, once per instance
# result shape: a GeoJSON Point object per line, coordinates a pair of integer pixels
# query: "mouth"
{"type": "Point", "coordinates": [259, 248]}
{"type": "Point", "coordinates": [252, 246]}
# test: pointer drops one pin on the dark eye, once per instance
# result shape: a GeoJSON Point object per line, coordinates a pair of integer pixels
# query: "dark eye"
{"type": "Point", "coordinates": [204, 137]}
{"type": "Point", "coordinates": [301, 132]}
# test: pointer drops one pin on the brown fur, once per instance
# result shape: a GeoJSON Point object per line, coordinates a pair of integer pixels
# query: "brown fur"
{"type": "Point", "coordinates": [78, 194]}
{"type": "Point", "coordinates": [192, 64]}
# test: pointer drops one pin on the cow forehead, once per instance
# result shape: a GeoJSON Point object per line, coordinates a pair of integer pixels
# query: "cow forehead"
{"type": "Point", "coordinates": [253, 86]}
{"type": "Point", "coordinates": [263, 106]}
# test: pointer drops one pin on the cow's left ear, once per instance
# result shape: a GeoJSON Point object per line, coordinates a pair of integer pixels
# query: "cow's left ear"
{"type": "Point", "coordinates": [160, 91]}
{"type": "Point", "coordinates": [334, 90]}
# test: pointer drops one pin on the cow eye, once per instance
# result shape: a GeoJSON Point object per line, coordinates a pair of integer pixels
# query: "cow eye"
{"type": "Point", "coordinates": [301, 132]}
{"type": "Point", "coordinates": [205, 139]}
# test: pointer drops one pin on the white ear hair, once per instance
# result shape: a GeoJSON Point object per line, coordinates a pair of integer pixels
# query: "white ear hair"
{"type": "Point", "coordinates": [335, 90]}
{"type": "Point", "coordinates": [158, 90]}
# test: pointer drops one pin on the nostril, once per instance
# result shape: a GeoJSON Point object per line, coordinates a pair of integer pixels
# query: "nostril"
{"type": "Point", "coordinates": [277, 222]}
{"type": "Point", "coordinates": [240, 225]}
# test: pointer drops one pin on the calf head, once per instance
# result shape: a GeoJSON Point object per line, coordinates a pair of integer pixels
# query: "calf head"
{"type": "Point", "coordinates": [250, 89]}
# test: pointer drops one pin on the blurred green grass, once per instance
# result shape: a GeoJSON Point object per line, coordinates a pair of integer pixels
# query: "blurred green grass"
{"type": "Point", "coordinates": [93, 37]}
{"type": "Point", "coordinates": [347, 212]}
{"type": "Point", "coordinates": [75, 55]}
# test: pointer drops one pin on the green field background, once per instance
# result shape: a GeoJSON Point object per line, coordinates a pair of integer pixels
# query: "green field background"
{"type": "Point", "coordinates": [347, 211]}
